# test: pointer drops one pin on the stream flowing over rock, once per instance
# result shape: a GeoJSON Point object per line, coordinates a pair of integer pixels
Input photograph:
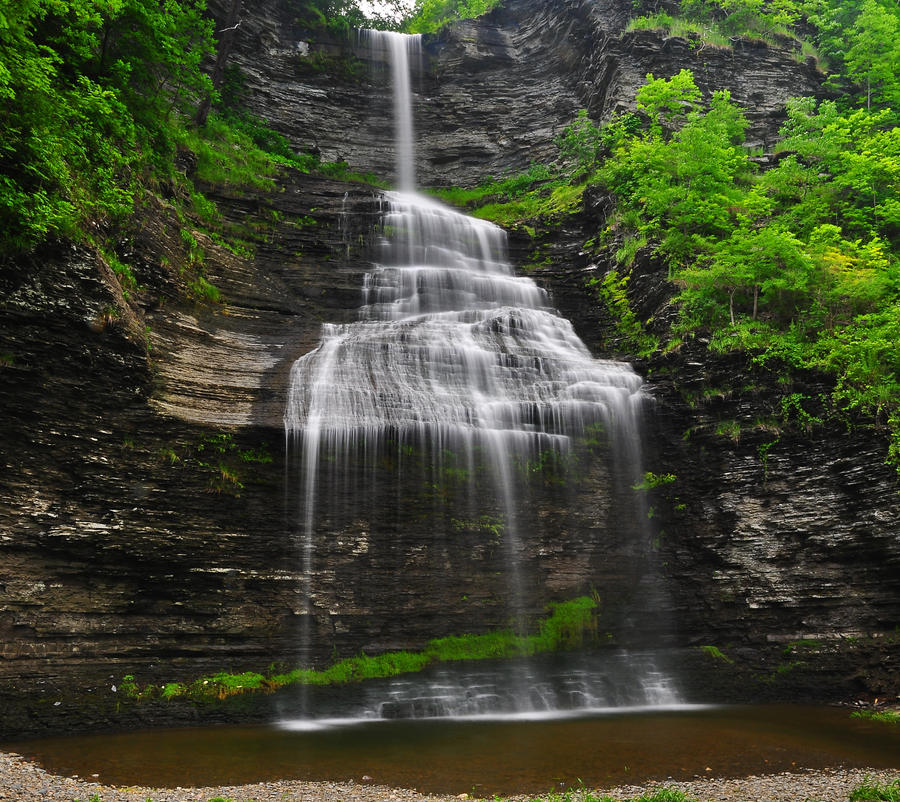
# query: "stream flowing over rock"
{"type": "Point", "coordinates": [143, 523]}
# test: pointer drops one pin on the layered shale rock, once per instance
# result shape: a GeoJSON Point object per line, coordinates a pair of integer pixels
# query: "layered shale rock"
{"type": "Point", "coordinates": [494, 93]}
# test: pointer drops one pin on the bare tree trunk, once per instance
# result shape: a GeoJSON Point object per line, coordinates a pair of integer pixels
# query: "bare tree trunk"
{"type": "Point", "coordinates": [226, 39]}
{"type": "Point", "coordinates": [755, 299]}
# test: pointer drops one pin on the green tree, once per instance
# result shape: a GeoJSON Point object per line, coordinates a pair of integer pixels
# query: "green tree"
{"type": "Point", "coordinates": [873, 58]}
{"type": "Point", "coordinates": [684, 186]}
{"type": "Point", "coordinates": [847, 165]}
{"type": "Point", "coordinates": [667, 102]}
{"type": "Point", "coordinates": [859, 39]}
{"type": "Point", "coordinates": [764, 267]}
{"type": "Point", "coordinates": [798, 263]}
{"type": "Point", "coordinates": [580, 144]}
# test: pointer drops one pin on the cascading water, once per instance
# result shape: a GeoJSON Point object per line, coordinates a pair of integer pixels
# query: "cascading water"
{"type": "Point", "coordinates": [457, 365]}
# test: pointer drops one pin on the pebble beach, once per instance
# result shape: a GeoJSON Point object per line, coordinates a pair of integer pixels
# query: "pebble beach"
{"type": "Point", "coordinates": [22, 781]}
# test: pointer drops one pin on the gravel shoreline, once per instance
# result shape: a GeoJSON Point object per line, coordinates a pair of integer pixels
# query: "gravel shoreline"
{"type": "Point", "coordinates": [23, 781]}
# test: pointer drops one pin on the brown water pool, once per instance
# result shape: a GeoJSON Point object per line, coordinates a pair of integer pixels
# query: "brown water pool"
{"type": "Point", "coordinates": [485, 756]}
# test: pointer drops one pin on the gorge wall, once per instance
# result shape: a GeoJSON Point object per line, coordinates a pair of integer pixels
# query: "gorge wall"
{"type": "Point", "coordinates": [494, 92]}
{"type": "Point", "coordinates": [143, 522]}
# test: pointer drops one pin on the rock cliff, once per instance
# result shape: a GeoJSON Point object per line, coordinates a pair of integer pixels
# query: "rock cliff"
{"type": "Point", "coordinates": [493, 93]}
{"type": "Point", "coordinates": [143, 522]}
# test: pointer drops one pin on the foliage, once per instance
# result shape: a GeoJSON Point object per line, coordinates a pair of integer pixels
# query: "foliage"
{"type": "Point", "coordinates": [432, 15]}
{"type": "Point", "coordinates": [553, 199]}
{"type": "Point", "coordinates": [580, 795]}
{"type": "Point", "coordinates": [715, 653]}
{"type": "Point", "coordinates": [708, 34]}
{"type": "Point", "coordinates": [503, 189]}
{"type": "Point", "coordinates": [340, 16]}
{"type": "Point", "coordinates": [681, 179]}
{"type": "Point", "coordinates": [227, 155]}
{"type": "Point", "coordinates": [744, 17]}
{"type": "Point", "coordinates": [90, 89]}
{"type": "Point", "coordinates": [861, 41]}
{"type": "Point", "coordinates": [797, 263]}
{"type": "Point", "coordinates": [543, 191]}
{"type": "Point", "coordinates": [611, 292]}
{"type": "Point", "coordinates": [203, 290]}
{"type": "Point", "coordinates": [98, 96]}
{"type": "Point", "coordinates": [217, 457]}
{"type": "Point", "coordinates": [664, 795]}
{"type": "Point", "coordinates": [652, 480]}
{"type": "Point", "coordinates": [238, 149]}
{"type": "Point", "coordinates": [720, 22]}
{"type": "Point", "coordinates": [580, 143]}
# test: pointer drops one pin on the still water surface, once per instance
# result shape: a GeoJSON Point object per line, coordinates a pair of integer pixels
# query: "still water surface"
{"type": "Point", "coordinates": [485, 756]}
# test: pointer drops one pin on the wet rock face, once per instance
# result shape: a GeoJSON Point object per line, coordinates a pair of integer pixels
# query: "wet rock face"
{"type": "Point", "coordinates": [142, 519]}
{"type": "Point", "coordinates": [137, 536]}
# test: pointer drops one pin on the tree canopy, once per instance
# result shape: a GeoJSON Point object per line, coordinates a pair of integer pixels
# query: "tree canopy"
{"type": "Point", "coordinates": [89, 88]}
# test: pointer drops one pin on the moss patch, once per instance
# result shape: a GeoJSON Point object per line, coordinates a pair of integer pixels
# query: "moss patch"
{"type": "Point", "coordinates": [569, 625]}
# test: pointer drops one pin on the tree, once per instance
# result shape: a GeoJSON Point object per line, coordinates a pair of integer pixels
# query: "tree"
{"type": "Point", "coordinates": [667, 102]}
{"type": "Point", "coordinates": [767, 266]}
{"type": "Point", "coordinates": [580, 143]}
{"type": "Point", "coordinates": [225, 36]}
{"type": "Point", "coordinates": [431, 15]}
{"type": "Point", "coordinates": [683, 185]}
{"type": "Point", "coordinates": [873, 58]}
{"type": "Point", "coordinates": [859, 39]}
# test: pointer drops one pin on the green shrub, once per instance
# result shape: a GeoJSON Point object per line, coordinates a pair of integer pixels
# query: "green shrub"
{"type": "Point", "coordinates": [716, 654]}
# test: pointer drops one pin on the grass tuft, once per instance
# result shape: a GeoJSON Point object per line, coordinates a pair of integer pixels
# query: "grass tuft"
{"type": "Point", "coordinates": [882, 716]}
{"type": "Point", "coordinates": [888, 792]}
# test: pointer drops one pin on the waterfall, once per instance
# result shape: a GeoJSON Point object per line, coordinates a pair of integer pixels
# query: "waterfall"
{"type": "Point", "coordinates": [457, 360]}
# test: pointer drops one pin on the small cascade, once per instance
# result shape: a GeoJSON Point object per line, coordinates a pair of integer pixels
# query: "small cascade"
{"type": "Point", "coordinates": [625, 681]}
{"type": "Point", "coordinates": [458, 365]}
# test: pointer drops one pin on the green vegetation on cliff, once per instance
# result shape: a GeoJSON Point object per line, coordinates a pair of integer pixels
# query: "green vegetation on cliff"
{"type": "Point", "coordinates": [797, 263]}
{"type": "Point", "coordinates": [432, 15]}
{"type": "Point", "coordinates": [91, 94]}
{"type": "Point", "coordinates": [570, 625]}
{"type": "Point", "coordinates": [106, 103]}
{"type": "Point", "coordinates": [101, 99]}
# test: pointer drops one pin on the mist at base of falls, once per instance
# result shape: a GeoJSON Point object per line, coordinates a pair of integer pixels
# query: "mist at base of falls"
{"type": "Point", "coordinates": [536, 688]}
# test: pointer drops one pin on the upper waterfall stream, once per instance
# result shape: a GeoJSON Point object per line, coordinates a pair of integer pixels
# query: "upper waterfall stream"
{"type": "Point", "coordinates": [461, 372]}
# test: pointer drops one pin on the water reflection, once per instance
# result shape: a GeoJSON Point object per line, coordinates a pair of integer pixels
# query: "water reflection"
{"type": "Point", "coordinates": [501, 757]}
